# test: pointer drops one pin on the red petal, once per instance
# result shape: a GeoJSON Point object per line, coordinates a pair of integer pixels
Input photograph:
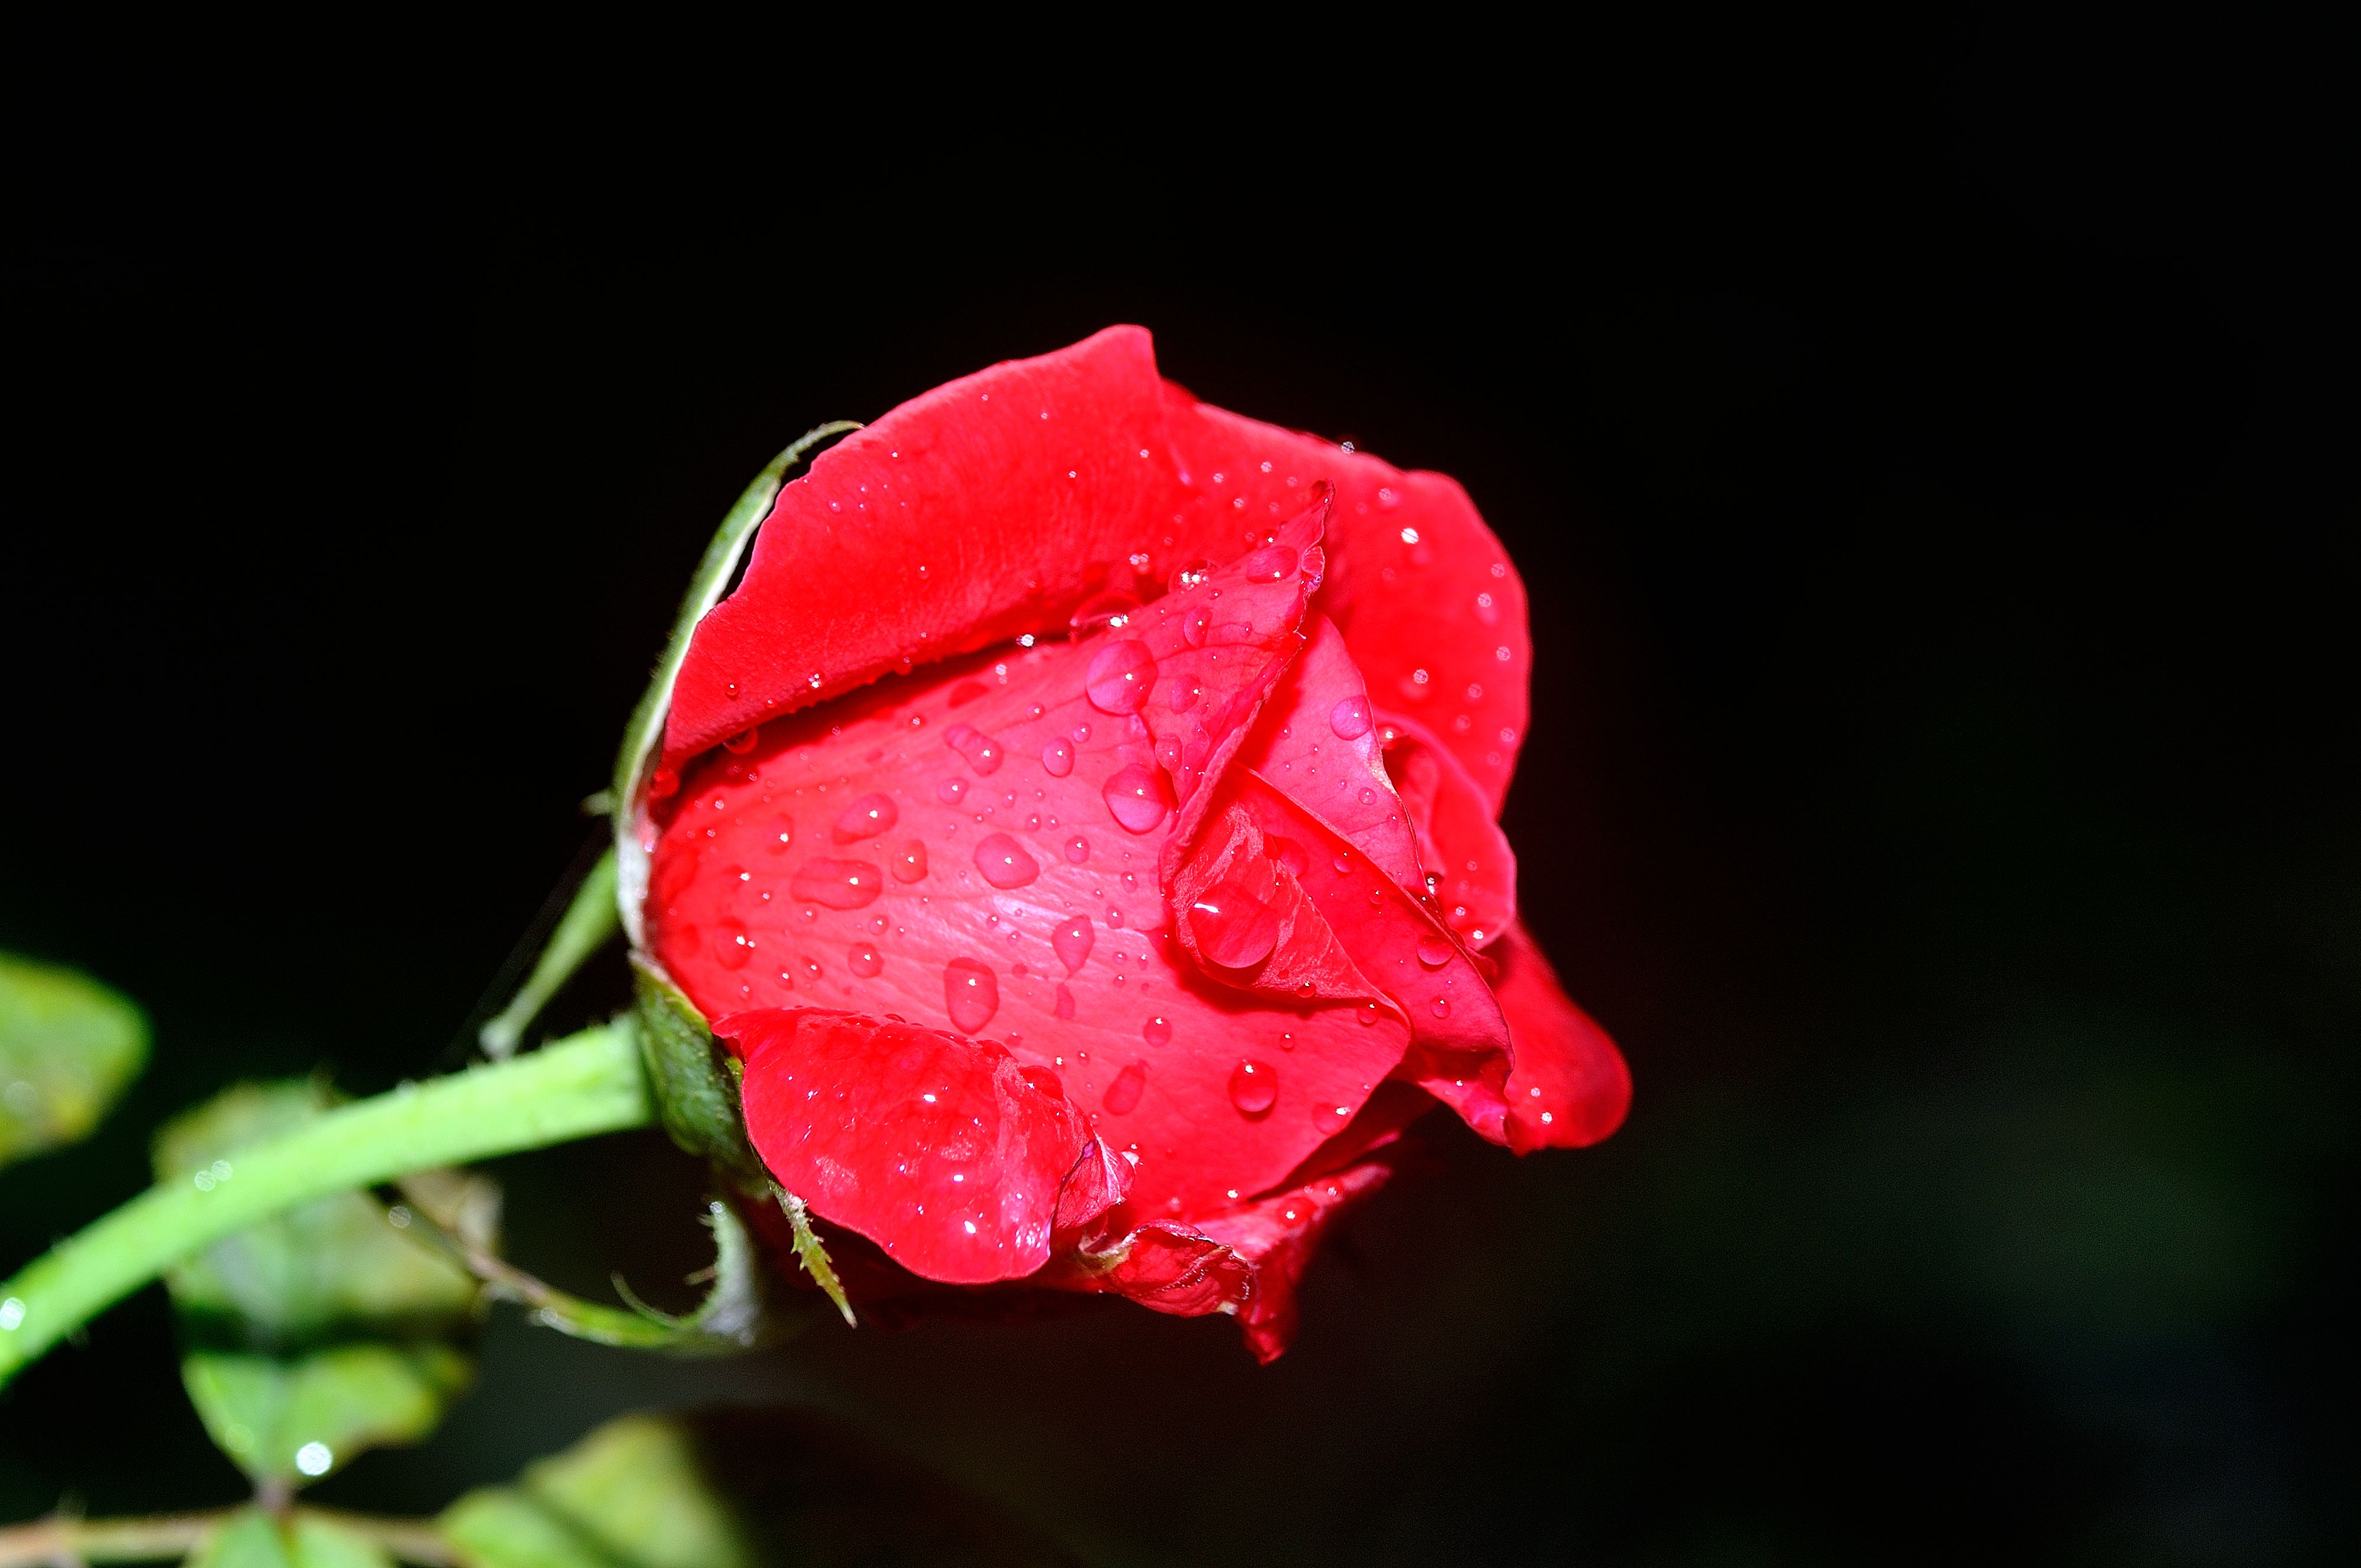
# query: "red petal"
{"type": "Point", "coordinates": [1418, 584]}
{"type": "Point", "coordinates": [1278, 1235]}
{"type": "Point", "coordinates": [1161, 1266]}
{"type": "Point", "coordinates": [948, 1153]}
{"type": "Point", "coordinates": [1065, 962]}
{"type": "Point", "coordinates": [1570, 1087]}
{"type": "Point", "coordinates": [966, 516]}
{"type": "Point", "coordinates": [1475, 871]}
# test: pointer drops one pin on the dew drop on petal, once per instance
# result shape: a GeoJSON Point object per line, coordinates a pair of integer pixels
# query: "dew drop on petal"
{"type": "Point", "coordinates": [1350, 718]}
{"type": "Point", "coordinates": [839, 884]}
{"type": "Point", "coordinates": [1368, 1015]}
{"type": "Point", "coordinates": [982, 751]}
{"type": "Point", "coordinates": [909, 861]}
{"type": "Point", "coordinates": [784, 834]}
{"type": "Point", "coordinates": [1343, 864]}
{"type": "Point", "coordinates": [731, 946]}
{"type": "Point", "coordinates": [1433, 952]}
{"type": "Point", "coordinates": [1269, 563]}
{"type": "Point", "coordinates": [1058, 758]}
{"type": "Point", "coordinates": [1137, 797]}
{"type": "Point", "coordinates": [1234, 927]}
{"type": "Point", "coordinates": [970, 995]}
{"type": "Point", "coordinates": [864, 961]}
{"type": "Point", "coordinates": [1157, 1032]}
{"type": "Point", "coordinates": [1331, 1118]}
{"type": "Point", "coordinates": [1124, 1091]}
{"type": "Point", "coordinates": [1078, 848]}
{"type": "Point", "coordinates": [1254, 1087]}
{"type": "Point", "coordinates": [742, 742]}
{"type": "Point", "coordinates": [1065, 1008]}
{"type": "Point", "coordinates": [1196, 626]}
{"type": "Point", "coordinates": [1121, 676]}
{"type": "Point", "coordinates": [1004, 862]}
{"type": "Point", "coordinates": [950, 791]}
{"type": "Point", "coordinates": [1072, 941]}
{"type": "Point", "coordinates": [1442, 1007]}
{"type": "Point", "coordinates": [866, 818]}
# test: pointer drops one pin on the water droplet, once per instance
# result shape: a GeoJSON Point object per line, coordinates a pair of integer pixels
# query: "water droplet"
{"type": "Point", "coordinates": [1137, 797]}
{"type": "Point", "coordinates": [1433, 952]}
{"type": "Point", "coordinates": [1078, 848]}
{"type": "Point", "coordinates": [1330, 1118]}
{"type": "Point", "coordinates": [839, 884]}
{"type": "Point", "coordinates": [1157, 1032]}
{"type": "Point", "coordinates": [864, 961]}
{"type": "Point", "coordinates": [1368, 797]}
{"type": "Point", "coordinates": [1377, 896]}
{"type": "Point", "coordinates": [909, 861]}
{"type": "Point", "coordinates": [866, 818]}
{"type": "Point", "coordinates": [1191, 575]}
{"type": "Point", "coordinates": [1004, 862]}
{"type": "Point", "coordinates": [1350, 718]}
{"type": "Point", "coordinates": [1368, 1015]}
{"type": "Point", "coordinates": [742, 742]}
{"type": "Point", "coordinates": [1072, 941]}
{"type": "Point", "coordinates": [1099, 611]}
{"type": "Point", "coordinates": [1065, 1001]}
{"type": "Point", "coordinates": [1114, 917]}
{"type": "Point", "coordinates": [1180, 693]}
{"type": "Point", "coordinates": [1442, 1007]}
{"type": "Point", "coordinates": [731, 946]}
{"type": "Point", "coordinates": [970, 995]}
{"type": "Point", "coordinates": [1058, 758]}
{"type": "Point", "coordinates": [982, 751]}
{"type": "Point", "coordinates": [877, 924]}
{"type": "Point", "coordinates": [1269, 563]}
{"type": "Point", "coordinates": [1253, 1086]}
{"type": "Point", "coordinates": [1343, 864]}
{"type": "Point", "coordinates": [814, 680]}
{"type": "Point", "coordinates": [1196, 626]}
{"type": "Point", "coordinates": [950, 791]}
{"type": "Point", "coordinates": [1234, 927]}
{"type": "Point", "coordinates": [1120, 676]}
{"type": "Point", "coordinates": [1168, 753]}
{"type": "Point", "coordinates": [1124, 1091]}
{"type": "Point", "coordinates": [777, 844]}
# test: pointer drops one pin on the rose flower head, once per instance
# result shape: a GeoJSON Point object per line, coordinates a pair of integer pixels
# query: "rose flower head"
{"type": "Point", "coordinates": [1080, 823]}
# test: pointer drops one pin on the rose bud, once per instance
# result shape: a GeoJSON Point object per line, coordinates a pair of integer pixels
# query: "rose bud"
{"type": "Point", "coordinates": [1080, 824]}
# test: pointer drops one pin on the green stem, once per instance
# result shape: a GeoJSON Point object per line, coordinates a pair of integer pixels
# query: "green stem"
{"type": "Point", "coordinates": [586, 1084]}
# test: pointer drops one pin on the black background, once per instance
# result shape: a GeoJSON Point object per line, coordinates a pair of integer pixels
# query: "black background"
{"type": "Point", "coordinates": [1934, 483]}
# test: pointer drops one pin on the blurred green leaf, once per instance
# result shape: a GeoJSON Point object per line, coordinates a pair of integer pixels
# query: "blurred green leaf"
{"type": "Point", "coordinates": [69, 1047]}
{"type": "Point", "coordinates": [732, 1489]}
{"type": "Point", "coordinates": [253, 1539]}
{"type": "Point", "coordinates": [299, 1418]}
{"type": "Point", "coordinates": [327, 1332]}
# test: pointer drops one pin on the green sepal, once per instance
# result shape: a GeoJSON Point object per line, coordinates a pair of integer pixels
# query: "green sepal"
{"type": "Point", "coordinates": [812, 1254]}
{"type": "Point", "coordinates": [695, 1083]}
{"type": "Point", "coordinates": [589, 923]}
{"type": "Point", "coordinates": [69, 1047]}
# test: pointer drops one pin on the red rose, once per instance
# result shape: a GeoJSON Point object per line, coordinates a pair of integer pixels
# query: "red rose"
{"type": "Point", "coordinates": [1110, 941]}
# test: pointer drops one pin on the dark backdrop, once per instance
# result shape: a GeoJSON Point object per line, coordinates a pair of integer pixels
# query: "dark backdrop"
{"type": "Point", "coordinates": [1934, 487]}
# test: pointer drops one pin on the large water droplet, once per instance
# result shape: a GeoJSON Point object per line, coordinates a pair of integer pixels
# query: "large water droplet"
{"type": "Point", "coordinates": [1368, 1015]}
{"type": "Point", "coordinates": [1442, 1007]}
{"type": "Point", "coordinates": [1181, 692]}
{"type": "Point", "coordinates": [1253, 1087]}
{"type": "Point", "coordinates": [1137, 797]}
{"type": "Point", "coordinates": [1124, 1091]}
{"type": "Point", "coordinates": [1157, 1032]}
{"type": "Point", "coordinates": [1120, 675]}
{"type": "Point", "coordinates": [909, 861]}
{"type": "Point", "coordinates": [731, 946]}
{"type": "Point", "coordinates": [1196, 626]}
{"type": "Point", "coordinates": [1433, 952]}
{"type": "Point", "coordinates": [1331, 1118]}
{"type": "Point", "coordinates": [1269, 563]}
{"type": "Point", "coordinates": [1168, 753]}
{"type": "Point", "coordinates": [839, 884]}
{"type": "Point", "coordinates": [982, 751]}
{"type": "Point", "coordinates": [1191, 575]}
{"type": "Point", "coordinates": [1350, 718]}
{"type": "Point", "coordinates": [1004, 862]}
{"type": "Point", "coordinates": [1058, 758]}
{"type": "Point", "coordinates": [864, 961]}
{"type": "Point", "coordinates": [1078, 848]}
{"type": "Point", "coordinates": [970, 995]}
{"type": "Point", "coordinates": [1234, 927]}
{"type": "Point", "coordinates": [1073, 940]}
{"type": "Point", "coordinates": [866, 818]}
